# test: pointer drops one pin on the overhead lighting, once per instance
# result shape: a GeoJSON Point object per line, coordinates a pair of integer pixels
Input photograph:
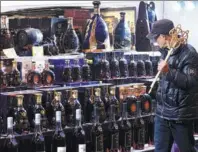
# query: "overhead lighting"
{"type": "Point", "coordinates": [189, 5]}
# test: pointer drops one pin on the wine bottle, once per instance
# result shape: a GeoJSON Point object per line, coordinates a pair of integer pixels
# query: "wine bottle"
{"type": "Point", "coordinates": [132, 67]}
{"type": "Point", "coordinates": [100, 105]}
{"type": "Point", "coordinates": [67, 72]}
{"type": "Point", "coordinates": [57, 106]}
{"type": "Point", "coordinates": [2, 76]}
{"type": "Point", "coordinates": [49, 108]}
{"type": "Point", "coordinates": [33, 76]}
{"type": "Point", "coordinates": [11, 142]}
{"type": "Point", "coordinates": [114, 66]}
{"type": "Point", "coordinates": [70, 108]}
{"type": "Point", "coordinates": [148, 66]}
{"type": "Point", "coordinates": [86, 71]}
{"type": "Point", "coordinates": [76, 71]}
{"type": "Point", "coordinates": [125, 130]}
{"type": "Point", "coordinates": [21, 119]}
{"type": "Point", "coordinates": [48, 76]}
{"type": "Point", "coordinates": [124, 71]}
{"type": "Point", "coordinates": [104, 68]}
{"type": "Point", "coordinates": [40, 110]}
{"type": "Point", "coordinates": [59, 137]}
{"type": "Point", "coordinates": [88, 104]}
{"type": "Point", "coordinates": [141, 71]}
{"type": "Point", "coordinates": [38, 140]}
{"type": "Point", "coordinates": [15, 74]}
{"type": "Point", "coordinates": [97, 133]}
{"type": "Point", "coordinates": [139, 130]}
{"type": "Point", "coordinates": [113, 130]}
{"type": "Point", "coordinates": [79, 140]}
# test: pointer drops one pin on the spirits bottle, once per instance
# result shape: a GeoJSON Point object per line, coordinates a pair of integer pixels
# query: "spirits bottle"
{"type": "Point", "coordinates": [57, 106]}
{"type": "Point", "coordinates": [97, 35]}
{"type": "Point", "coordinates": [104, 68]}
{"type": "Point", "coordinates": [70, 107]}
{"type": "Point", "coordinates": [139, 130]}
{"type": "Point", "coordinates": [132, 105]}
{"type": "Point", "coordinates": [11, 142]}
{"type": "Point", "coordinates": [67, 72]}
{"type": "Point", "coordinates": [132, 67]}
{"type": "Point", "coordinates": [70, 38]}
{"type": "Point", "coordinates": [76, 71]}
{"type": "Point", "coordinates": [97, 139]}
{"type": "Point", "coordinates": [34, 76]}
{"type": "Point", "coordinates": [151, 124]}
{"type": "Point", "coordinates": [114, 66]}
{"type": "Point", "coordinates": [86, 71]}
{"type": "Point", "coordinates": [49, 109]}
{"type": "Point", "coordinates": [38, 109]}
{"type": "Point", "coordinates": [15, 74]}
{"type": "Point", "coordinates": [38, 140]}
{"type": "Point", "coordinates": [113, 130]}
{"type": "Point", "coordinates": [2, 76]}
{"type": "Point", "coordinates": [79, 134]}
{"type": "Point", "coordinates": [122, 39]}
{"type": "Point", "coordinates": [21, 119]}
{"type": "Point", "coordinates": [59, 137]}
{"type": "Point", "coordinates": [48, 76]}
{"type": "Point", "coordinates": [141, 71]}
{"type": "Point", "coordinates": [146, 102]}
{"type": "Point", "coordinates": [124, 71]}
{"type": "Point", "coordinates": [125, 130]}
{"type": "Point", "coordinates": [148, 66]}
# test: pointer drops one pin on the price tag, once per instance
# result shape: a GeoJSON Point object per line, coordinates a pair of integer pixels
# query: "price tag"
{"type": "Point", "coordinates": [10, 53]}
{"type": "Point", "coordinates": [37, 51]}
{"type": "Point", "coordinates": [61, 149]}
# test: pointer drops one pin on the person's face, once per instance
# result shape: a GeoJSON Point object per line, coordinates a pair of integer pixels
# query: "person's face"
{"type": "Point", "coordinates": [161, 41]}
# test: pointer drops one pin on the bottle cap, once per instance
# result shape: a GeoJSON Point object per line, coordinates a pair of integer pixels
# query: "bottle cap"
{"type": "Point", "coordinates": [97, 91]}
{"type": "Point", "coordinates": [38, 97]}
{"type": "Point", "coordinates": [112, 90]}
{"type": "Point", "coordinates": [78, 114]}
{"type": "Point", "coordinates": [37, 118]}
{"type": "Point", "coordinates": [58, 116]}
{"type": "Point", "coordinates": [10, 122]}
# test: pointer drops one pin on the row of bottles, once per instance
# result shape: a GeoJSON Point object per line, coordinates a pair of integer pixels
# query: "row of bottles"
{"type": "Point", "coordinates": [76, 73]}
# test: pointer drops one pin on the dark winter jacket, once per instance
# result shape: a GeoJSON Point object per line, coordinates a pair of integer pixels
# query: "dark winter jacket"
{"type": "Point", "coordinates": [177, 94]}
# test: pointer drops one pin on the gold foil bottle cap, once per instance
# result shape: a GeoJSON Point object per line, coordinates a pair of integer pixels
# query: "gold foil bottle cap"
{"type": "Point", "coordinates": [97, 91]}
{"type": "Point", "coordinates": [75, 93]}
{"type": "Point", "coordinates": [58, 96]}
{"type": "Point", "coordinates": [38, 98]}
{"type": "Point", "coordinates": [19, 99]}
{"type": "Point", "coordinates": [112, 90]}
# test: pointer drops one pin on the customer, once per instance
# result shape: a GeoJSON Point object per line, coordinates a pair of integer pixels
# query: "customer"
{"type": "Point", "coordinates": [177, 94]}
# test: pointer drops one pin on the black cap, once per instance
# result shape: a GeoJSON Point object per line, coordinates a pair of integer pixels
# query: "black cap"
{"type": "Point", "coordinates": [160, 27]}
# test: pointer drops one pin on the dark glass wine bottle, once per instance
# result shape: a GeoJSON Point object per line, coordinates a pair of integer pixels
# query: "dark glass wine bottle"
{"type": "Point", "coordinates": [104, 68]}
{"type": "Point", "coordinates": [79, 140]}
{"type": "Point", "coordinates": [21, 119]}
{"type": "Point", "coordinates": [100, 105]}
{"type": "Point", "coordinates": [86, 71]}
{"type": "Point", "coordinates": [48, 76]}
{"type": "Point", "coordinates": [114, 66]}
{"type": "Point", "coordinates": [97, 138]}
{"type": "Point", "coordinates": [49, 109]}
{"type": "Point", "coordinates": [113, 132]}
{"type": "Point", "coordinates": [139, 130]}
{"type": "Point", "coordinates": [125, 131]}
{"type": "Point", "coordinates": [15, 74]}
{"type": "Point", "coordinates": [11, 142]}
{"type": "Point", "coordinates": [38, 141]}
{"type": "Point", "coordinates": [148, 66]}
{"type": "Point", "coordinates": [70, 107]}
{"type": "Point", "coordinates": [76, 71]}
{"type": "Point", "coordinates": [124, 71]}
{"type": "Point", "coordinates": [59, 137]}
{"type": "Point", "coordinates": [132, 67]}
{"type": "Point", "coordinates": [88, 105]}
{"type": "Point", "coordinates": [38, 109]}
{"type": "Point", "coordinates": [151, 124]}
{"type": "Point", "coordinates": [141, 71]}
{"type": "Point", "coordinates": [57, 106]}
{"type": "Point", "coordinates": [34, 76]}
{"type": "Point", "coordinates": [67, 72]}
{"type": "Point", "coordinates": [2, 76]}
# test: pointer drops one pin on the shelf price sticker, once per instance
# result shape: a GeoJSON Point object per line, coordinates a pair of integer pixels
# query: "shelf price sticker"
{"type": "Point", "coordinates": [10, 53]}
{"type": "Point", "coordinates": [37, 51]}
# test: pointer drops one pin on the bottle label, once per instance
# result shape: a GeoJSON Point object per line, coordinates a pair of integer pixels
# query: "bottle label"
{"type": "Point", "coordinates": [99, 143]}
{"type": "Point", "coordinates": [37, 118]}
{"type": "Point", "coordinates": [58, 116]}
{"type": "Point", "coordinates": [61, 149]}
{"type": "Point", "coordinates": [82, 148]}
{"type": "Point", "coordinates": [128, 139]}
{"type": "Point", "coordinates": [10, 122]}
{"type": "Point", "coordinates": [78, 114]}
{"type": "Point", "coordinates": [115, 141]}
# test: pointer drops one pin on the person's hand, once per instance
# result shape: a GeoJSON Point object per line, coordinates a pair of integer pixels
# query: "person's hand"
{"type": "Point", "coordinates": [163, 66]}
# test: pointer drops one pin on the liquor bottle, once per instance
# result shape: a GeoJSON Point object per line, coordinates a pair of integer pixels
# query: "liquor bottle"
{"type": "Point", "coordinates": [15, 74]}
{"type": "Point", "coordinates": [97, 35]}
{"type": "Point", "coordinates": [67, 72]}
{"type": "Point", "coordinates": [49, 109]}
{"type": "Point", "coordinates": [122, 39]}
{"type": "Point", "coordinates": [86, 71]}
{"type": "Point", "coordinates": [125, 130]}
{"type": "Point", "coordinates": [132, 105]}
{"type": "Point", "coordinates": [2, 76]}
{"type": "Point", "coordinates": [124, 71]}
{"type": "Point", "coordinates": [148, 66]}
{"type": "Point", "coordinates": [104, 68]}
{"type": "Point", "coordinates": [146, 102]}
{"type": "Point", "coordinates": [38, 140]}
{"type": "Point", "coordinates": [38, 109]}
{"type": "Point", "coordinates": [88, 104]}
{"type": "Point", "coordinates": [113, 132]}
{"type": "Point", "coordinates": [11, 142]}
{"type": "Point", "coordinates": [70, 38]}
{"type": "Point", "coordinates": [141, 71]}
{"type": "Point", "coordinates": [33, 76]}
{"type": "Point", "coordinates": [59, 137]}
{"type": "Point", "coordinates": [114, 66]}
{"type": "Point", "coordinates": [100, 105]}
{"type": "Point", "coordinates": [132, 67]}
{"type": "Point", "coordinates": [21, 119]}
{"type": "Point", "coordinates": [48, 76]}
{"type": "Point", "coordinates": [57, 106]}
{"type": "Point", "coordinates": [79, 140]}
{"type": "Point", "coordinates": [70, 108]}
{"type": "Point", "coordinates": [97, 134]}
{"type": "Point", "coordinates": [114, 101]}
{"type": "Point", "coordinates": [151, 124]}
{"type": "Point", "coordinates": [139, 130]}
{"type": "Point", "coordinates": [76, 71]}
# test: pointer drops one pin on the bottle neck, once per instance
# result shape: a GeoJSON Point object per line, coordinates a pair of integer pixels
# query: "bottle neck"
{"type": "Point", "coordinates": [10, 131]}
{"type": "Point", "coordinates": [78, 123]}
{"type": "Point", "coordinates": [58, 126]}
{"type": "Point", "coordinates": [70, 23]}
{"type": "Point", "coordinates": [38, 128]}
{"type": "Point", "coordinates": [33, 66]}
{"type": "Point", "coordinates": [96, 10]}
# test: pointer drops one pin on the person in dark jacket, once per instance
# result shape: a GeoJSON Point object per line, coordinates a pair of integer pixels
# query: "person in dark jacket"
{"type": "Point", "coordinates": [177, 93]}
